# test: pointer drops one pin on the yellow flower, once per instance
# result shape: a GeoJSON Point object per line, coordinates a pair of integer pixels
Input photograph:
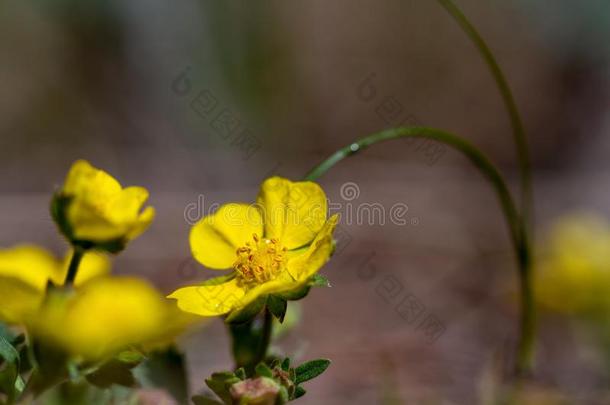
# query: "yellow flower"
{"type": "Point", "coordinates": [574, 269]}
{"type": "Point", "coordinates": [97, 318]}
{"type": "Point", "coordinates": [92, 208]}
{"type": "Point", "coordinates": [107, 315]}
{"type": "Point", "coordinates": [274, 247]}
{"type": "Point", "coordinates": [25, 271]}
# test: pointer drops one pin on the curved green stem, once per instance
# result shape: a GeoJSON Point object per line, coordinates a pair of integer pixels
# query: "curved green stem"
{"type": "Point", "coordinates": [509, 102]}
{"type": "Point", "coordinates": [77, 256]}
{"type": "Point", "coordinates": [518, 232]}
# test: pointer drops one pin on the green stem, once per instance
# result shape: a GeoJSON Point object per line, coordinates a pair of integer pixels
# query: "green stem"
{"type": "Point", "coordinates": [518, 232]}
{"type": "Point", "coordinates": [509, 102]}
{"type": "Point", "coordinates": [265, 338]}
{"type": "Point", "coordinates": [77, 256]}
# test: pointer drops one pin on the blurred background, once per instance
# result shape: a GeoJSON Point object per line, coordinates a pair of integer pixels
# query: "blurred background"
{"type": "Point", "coordinates": [199, 101]}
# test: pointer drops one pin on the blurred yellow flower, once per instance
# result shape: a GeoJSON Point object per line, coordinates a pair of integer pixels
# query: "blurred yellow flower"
{"type": "Point", "coordinates": [574, 268]}
{"type": "Point", "coordinates": [25, 271]}
{"type": "Point", "coordinates": [99, 317]}
{"type": "Point", "coordinates": [92, 207]}
{"type": "Point", "coordinates": [108, 315]}
{"type": "Point", "coordinates": [274, 246]}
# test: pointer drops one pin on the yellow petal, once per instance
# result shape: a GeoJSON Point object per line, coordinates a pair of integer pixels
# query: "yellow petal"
{"type": "Point", "coordinates": [142, 223]}
{"type": "Point", "coordinates": [215, 238]}
{"type": "Point", "coordinates": [102, 317]}
{"type": "Point", "coordinates": [20, 300]}
{"type": "Point", "coordinates": [293, 212]}
{"type": "Point", "coordinates": [126, 205]}
{"type": "Point", "coordinates": [89, 223]}
{"type": "Point", "coordinates": [283, 283]}
{"type": "Point", "coordinates": [31, 264]}
{"type": "Point", "coordinates": [305, 265]}
{"type": "Point", "coordinates": [217, 296]}
{"type": "Point", "coordinates": [90, 183]}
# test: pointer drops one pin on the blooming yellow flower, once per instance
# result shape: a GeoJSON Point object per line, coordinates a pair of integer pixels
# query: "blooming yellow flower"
{"type": "Point", "coordinates": [274, 247]}
{"type": "Point", "coordinates": [93, 208]}
{"type": "Point", "coordinates": [25, 271]}
{"type": "Point", "coordinates": [574, 268]}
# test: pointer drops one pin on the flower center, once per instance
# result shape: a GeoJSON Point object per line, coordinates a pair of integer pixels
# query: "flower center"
{"type": "Point", "coordinates": [260, 260]}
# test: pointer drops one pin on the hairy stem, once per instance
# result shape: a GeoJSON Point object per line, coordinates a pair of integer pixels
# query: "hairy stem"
{"type": "Point", "coordinates": [517, 230]}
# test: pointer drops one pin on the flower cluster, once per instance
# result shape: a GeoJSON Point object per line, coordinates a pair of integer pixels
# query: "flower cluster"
{"type": "Point", "coordinates": [84, 326]}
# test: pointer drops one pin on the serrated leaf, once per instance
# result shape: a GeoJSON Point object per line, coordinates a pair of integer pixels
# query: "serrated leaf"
{"type": "Point", "coordinates": [310, 370]}
{"type": "Point", "coordinates": [277, 306]}
{"type": "Point", "coordinates": [263, 370]}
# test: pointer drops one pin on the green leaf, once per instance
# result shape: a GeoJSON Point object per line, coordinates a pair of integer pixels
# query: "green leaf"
{"type": "Point", "coordinates": [9, 376]}
{"type": "Point", "coordinates": [201, 400]}
{"type": "Point", "coordinates": [263, 370]}
{"type": "Point", "coordinates": [299, 392]}
{"type": "Point", "coordinates": [310, 370]}
{"type": "Point", "coordinates": [286, 364]}
{"type": "Point", "coordinates": [166, 370]}
{"type": "Point", "coordinates": [277, 306]}
{"type": "Point", "coordinates": [51, 367]}
{"type": "Point", "coordinates": [112, 372]}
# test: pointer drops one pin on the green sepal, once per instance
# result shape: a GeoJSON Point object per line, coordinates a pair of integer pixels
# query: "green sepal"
{"type": "Point", "coordinates": [277, 306]}
{"type": "Point", "coordinates": [220, 384]}
{"type": "Point", "coordinates": [241, 373]}
{"type": "Point", "coordinates": [318, 280]}
{"type": "Point", "coordinates": [248, 313]}
{"type": "Point", "coordinates": [296, 294]}
{"type": "Point", "coordinates": [310, 370]}
{"type": "Point", "coordinates": [263, 370]}
{"type": "Point", "coordinates": [283, 396]}
{"type": "Point", "coordinates": [286, 364]}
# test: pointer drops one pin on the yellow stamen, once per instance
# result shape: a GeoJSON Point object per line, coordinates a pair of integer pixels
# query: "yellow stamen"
{"type": "Point", "coordinates": [260, 261]}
